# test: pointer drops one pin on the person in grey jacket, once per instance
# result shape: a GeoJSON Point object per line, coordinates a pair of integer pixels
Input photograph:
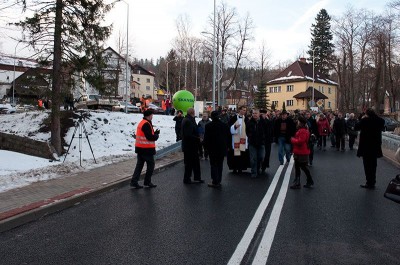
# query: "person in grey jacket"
{"type": "Point", "coordinates": [202, 129]}
{"type": "Point", "coordinates": [351, 124]}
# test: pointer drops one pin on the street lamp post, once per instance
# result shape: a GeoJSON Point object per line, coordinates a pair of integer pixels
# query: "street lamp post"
{"type": "Point", "coordinates": [128, 77]}
{"type": "Point", "coordinates": [214, 63]}
{"type": "Point", "coordinates": [13, 91]}
{"type": "Point", "coordinates": [167, 76]}
{"type": "Point", "coordinates": [313, 78]}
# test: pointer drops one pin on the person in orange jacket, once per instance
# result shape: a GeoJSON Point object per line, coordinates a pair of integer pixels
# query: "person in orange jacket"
{"type": "Point", "coordinates": [145, 147]}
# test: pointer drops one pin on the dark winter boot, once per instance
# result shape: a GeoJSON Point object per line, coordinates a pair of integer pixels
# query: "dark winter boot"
{"type": "Point", "coordinates": [296, 183]}
{"type": "Point", "coordinates": [310, 182]}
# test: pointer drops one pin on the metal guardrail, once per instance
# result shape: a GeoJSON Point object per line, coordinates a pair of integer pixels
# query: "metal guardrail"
{"type": "Point", "coordinates": [390, 141]}
{"type": "Point", "coordinates": [169, 149]}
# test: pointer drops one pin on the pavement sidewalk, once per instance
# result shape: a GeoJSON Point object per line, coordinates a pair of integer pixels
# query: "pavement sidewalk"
{"type": "Point", "coordinates": [25, 204]}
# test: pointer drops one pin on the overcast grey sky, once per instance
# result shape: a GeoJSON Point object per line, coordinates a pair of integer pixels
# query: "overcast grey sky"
{"type": "Point", "coordinates": [283, 25]}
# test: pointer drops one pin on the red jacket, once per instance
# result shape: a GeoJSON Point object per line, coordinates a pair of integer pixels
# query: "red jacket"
{"type": "Point", "coordinates": [300, 142]}
{"type": "Point", "coordinates": [323, 124]}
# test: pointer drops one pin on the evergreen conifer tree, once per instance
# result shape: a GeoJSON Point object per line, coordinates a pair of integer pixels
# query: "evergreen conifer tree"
{"type": "Point", "coordinates": [321, 42]}
{"type": "Point", "coordinates": [66, 34]}
{"type": "Point", "coordinates": [261, 100]}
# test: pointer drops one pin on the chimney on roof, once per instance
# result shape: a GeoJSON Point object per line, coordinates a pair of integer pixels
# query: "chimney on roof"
{"type": "Point", "coordinates": [303, 60]}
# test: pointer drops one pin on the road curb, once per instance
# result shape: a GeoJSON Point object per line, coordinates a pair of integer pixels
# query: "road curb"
{"type": "Point", "coordinates": [41, 209]}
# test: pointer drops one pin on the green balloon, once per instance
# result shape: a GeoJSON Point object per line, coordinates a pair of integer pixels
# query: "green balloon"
{"type": "Point", "coordinates": [183, 100]}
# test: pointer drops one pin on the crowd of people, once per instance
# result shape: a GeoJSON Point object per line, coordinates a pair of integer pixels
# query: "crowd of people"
{"type": "Point", "coordinates": [245, 138]}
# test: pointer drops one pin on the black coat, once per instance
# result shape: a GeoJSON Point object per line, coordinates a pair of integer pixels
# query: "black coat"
{"type": "Point", "coordinates": [339, 126]}
{"type": "Point", "coordinates": [190, 135]}
{"type": "Point", "coordinates": [312, 126]}
{"type": "Point", "coordinates": [255, 132]}
{"type": "Point", "coordinates": [370, 136]}
{"type": "Point", "coordinates": [290, 129]}
{"type": "Point", "coordinates": [217, 138]}
{"type": "Point", "coordinates": [268, 130]}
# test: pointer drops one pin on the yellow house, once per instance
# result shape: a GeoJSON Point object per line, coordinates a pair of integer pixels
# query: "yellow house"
{"type": "Point", "coordinates": [142, 82]}
{"type": "Point", "coordinates": [294, 87]}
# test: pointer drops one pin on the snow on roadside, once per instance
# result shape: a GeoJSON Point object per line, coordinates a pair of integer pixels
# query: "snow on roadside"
{"type": "Point", "coordinates": [109, 133]}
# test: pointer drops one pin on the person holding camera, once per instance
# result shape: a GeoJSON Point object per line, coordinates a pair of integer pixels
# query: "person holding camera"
{"type": "Point", "coordinates": [145, 147]}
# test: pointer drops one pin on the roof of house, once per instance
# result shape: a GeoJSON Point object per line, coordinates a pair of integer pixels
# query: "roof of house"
{"type": "Point", "coordinates": [300, 71]}
{"type": "Point", "coordinates": [308, 94]}
{"type": "Point", "coordinates": [133, 66]}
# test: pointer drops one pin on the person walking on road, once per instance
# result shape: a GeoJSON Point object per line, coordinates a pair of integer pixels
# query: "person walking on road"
{"type": "Point", "coordinates": [370, 144]}
{"type": "Point", "coordinates": [268, 130]}
{"type": "Point", "coordinates": [217, 140]}
{"type": "Point", "coordinates": [301, 152]}
{"type": "Point", "coordinates": [323, 131]}
{"type": "Point", "coordinates": [340, 130]}
{"type": "Point", "coordinates": [190, 148]}
{"type": "Point", "coordinates": [238, 154]}
{"type": "Point", "coordinates": [256, 137]}
{"type": "Point", "coordinates": [313, 129]}
{"type": "Point", "coordinates": [284, 129]}
{"type": "Point", "coordinates": [351, 124]}
{"type": "Point", "coordinates": [145, 147]}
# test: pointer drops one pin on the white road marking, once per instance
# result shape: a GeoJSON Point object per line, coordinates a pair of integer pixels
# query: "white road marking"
{"type": "Point", "coordinates": [244, 243]}
{"type": "Point", "coordinates": [269, 234]}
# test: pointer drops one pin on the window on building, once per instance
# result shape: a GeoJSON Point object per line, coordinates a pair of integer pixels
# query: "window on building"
{"type": "Point", "coordinates": [329, 90]}
{"type": "Point", "coordinates": [289, 88]}
{"type": "Point", "coordinates": [271, 89]}
{"type": "Point", "coordinates": [329, 105]}
{"type": "Point", "coordinates": [322, 89]}
{"type": "Point", "coordinates": [275, 103]}
{"type": "Point", "coordinates": [148, 80]}
{"type": "Point", "coordinates": [289, 102]}
{"type": "Point", "coordinates": [279, 89]}
{"type": "Point", "coordinates": [138, 79]}
{"type": "Point", "coordinates": [147, 87]}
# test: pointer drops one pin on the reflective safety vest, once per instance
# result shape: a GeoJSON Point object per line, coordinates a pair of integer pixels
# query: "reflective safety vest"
{"type": "Point", "coordinates": [141, 140]}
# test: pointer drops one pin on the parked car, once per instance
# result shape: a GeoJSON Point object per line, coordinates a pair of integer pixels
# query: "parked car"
{"type": "Point", "coordinates": [130, 108]}
{"type": "Point", "coordinates": [7, 109]}
{"type": "Point", "coordinates": [391, 124]}
{"type": "Point", "coordinates": [156, 109]}
{"type": "Point", "coordinates": [24, 108]}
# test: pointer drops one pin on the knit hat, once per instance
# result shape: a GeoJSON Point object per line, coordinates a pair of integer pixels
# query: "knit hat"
{"type": "Point", "coordinates": [148, 112]}
{"type": "Point", "coordinates": [214, 115]}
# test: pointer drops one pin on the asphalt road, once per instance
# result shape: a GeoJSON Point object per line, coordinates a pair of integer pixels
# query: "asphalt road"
{"type": "Point", "coordinates": [337, 222]}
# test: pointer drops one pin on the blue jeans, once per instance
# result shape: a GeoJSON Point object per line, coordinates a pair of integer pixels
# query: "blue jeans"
{"type": "Point", "coordinates": [285, 149]}
{"type": "Point", "coordinates": [257, 154]}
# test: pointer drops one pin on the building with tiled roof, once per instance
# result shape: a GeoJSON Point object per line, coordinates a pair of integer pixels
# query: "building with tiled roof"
{"type": "Point", "coordinates": [294, 87]}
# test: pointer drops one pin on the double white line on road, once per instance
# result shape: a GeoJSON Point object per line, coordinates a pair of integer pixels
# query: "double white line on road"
{"type": "Point", "coordinates": [266, 241]}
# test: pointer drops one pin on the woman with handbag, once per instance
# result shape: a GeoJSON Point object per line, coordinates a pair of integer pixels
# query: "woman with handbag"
{"type": "Point", "coordinates": [301, 152]}
{"type": "Point", "coordinates": [323, 131]}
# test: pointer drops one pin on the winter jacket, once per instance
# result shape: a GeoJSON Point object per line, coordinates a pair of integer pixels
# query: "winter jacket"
{"type": "Point", "coordinates": [351, 124]}
{"type": "Point", "coordinates": [190, 135]}
{"type": "Point", "coordinates": [148, 132]}
{"type": "Point", "coordinates": [217, 138]}
{"type": "Point", "coordinates": [370, 144]}
{"type": "Point", "coordinates": [202, 127]}
{"type": "Point", "coordinates": [300, 142]}
{"type": "Point", "coordinates": [255, 132]}
{"type": "Point", "coordinates": [323, 127]}
{"type": "Point", "coordinates": [290, 129]}
{"type": "Point", "coordinates": [339, 126]}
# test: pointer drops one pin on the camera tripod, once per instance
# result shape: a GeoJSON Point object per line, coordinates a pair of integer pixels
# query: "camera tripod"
{"type": "Point", "coordinates": [80, 127]}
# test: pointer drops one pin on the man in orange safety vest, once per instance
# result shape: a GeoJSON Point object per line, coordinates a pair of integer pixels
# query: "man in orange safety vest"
{"type": "Point", "coordinates": [145, 147]}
